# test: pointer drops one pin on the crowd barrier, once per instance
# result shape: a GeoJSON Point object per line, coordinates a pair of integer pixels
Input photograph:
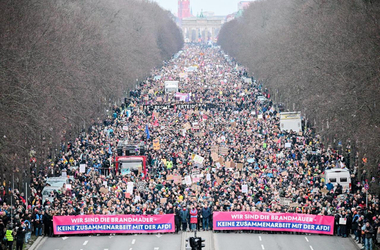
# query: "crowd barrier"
{"type": "Point", "coordinates": [284, 222]}
{"type": "Point", "coordinates": [88, 224]}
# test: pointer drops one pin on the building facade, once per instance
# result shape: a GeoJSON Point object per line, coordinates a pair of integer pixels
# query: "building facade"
{"type": "Point", "coordinates": [201, 29]}
{"type": "Point", "coordinates": [183, 9]}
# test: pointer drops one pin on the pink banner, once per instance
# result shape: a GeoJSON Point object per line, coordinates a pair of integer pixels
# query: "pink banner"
{"type": "Point", "coordinates": [306, 223]}
{"type": "Point", "coordinates": [88, 224]}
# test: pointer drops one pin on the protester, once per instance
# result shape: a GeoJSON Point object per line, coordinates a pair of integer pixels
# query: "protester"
{"type": "Point", "coordinates": [206, 213]}
{"type": "Point", "coordinates": [220, 147]}
{"type": "Point", "coordinates": [9, 237]}
{"type": "Point", "coordinates": [368, 232]}
{"type": "Point", "coordinates": [193, 218]}
{"type": "Point", "coordinates": [20, 237]}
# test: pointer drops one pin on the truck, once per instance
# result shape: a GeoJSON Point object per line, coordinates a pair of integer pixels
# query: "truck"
{"type": "Point", "coordinates": [128, 164]}
{"type": "Point", "coordinates": [339, 175]}
{"type": "Point", "coordinates": [290, 121]}
{"type": "Point", "coordinates": [130, 158]}
{"type": "Point", "coordinates": [171, 86]}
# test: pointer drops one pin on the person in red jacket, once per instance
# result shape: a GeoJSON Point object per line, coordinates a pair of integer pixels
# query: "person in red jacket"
{"type": "Point", "coordinates": [193, 218]}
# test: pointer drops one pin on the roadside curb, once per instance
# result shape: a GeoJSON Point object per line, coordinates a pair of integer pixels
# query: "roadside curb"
{"type": "Point", "coordinates": [39, 241]}
{"type": "Point", "coordinates": [352, 238]}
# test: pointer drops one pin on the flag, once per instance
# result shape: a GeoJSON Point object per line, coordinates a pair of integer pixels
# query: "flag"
{"type": "Point", "coordinates": [109, 149]}
{"type": "Point", "coordinates": [147, 132]}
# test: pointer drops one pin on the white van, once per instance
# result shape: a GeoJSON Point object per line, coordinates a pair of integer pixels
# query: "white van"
{"type": "Point", "coordinates": [339, 175]}
{"type": "Point", "coordinates": [47, 193]}
{"type": "Point", "coordinates": [58, 181]}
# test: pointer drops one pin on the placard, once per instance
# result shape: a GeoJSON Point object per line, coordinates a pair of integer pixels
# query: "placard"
{"type": "Point", "coordinates": [223, 150]}
{"type": "Point", "coordinates": [264, 221]}
{"type": "Point", "coordinates": [244, 189]}
{"type": "Point", "coordinates": [90, 224]}
{"type": "Point", "coordinates": [198, 159]}
{"type": "Point", "coordinates": [187, 126]}
{"type": "Point", "coordinates": [288, 145]}
{"type": "Point", "coordinates": [208, 177]}
{"type": "Point", "coordinates": [342, 221]}
{"type": "Point", "coordinates": [163, 201]}
{"type": "Point", "coordinates": [215, 149]}
{"type": "Point", "coordinates": [239, 166]}
{"type": "Point", "coordinates": [68, 186]}
{"type": "Point", "coordinates": [219, 180]}
{"type": "Point", "coordinates": [82, 168]}
{"type": "Point", "coordinates": [141, 186]}
{"type": "Point", "coordinates": [130, 187]}
{"type": "Point", "coordinates": [214, 156]}
{"type": "Point", "coordinates": [156, 144]}
{"type": "Point", "coordinates": [230, 164]}
{"type": "Point", "coordinates": [284, 173]}
{"type": "Point", "coordinates": [188, 180]}
{"type": "Point", "coordinates": [177, 179]}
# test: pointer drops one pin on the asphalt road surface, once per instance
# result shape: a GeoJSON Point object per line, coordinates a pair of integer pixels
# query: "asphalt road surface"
{"type": "Point", "coordinates": [244, 241]}
{"type": "Point", "coordinates": [222, 241]}
{"type": "Point", "coordinates": [118, 242]}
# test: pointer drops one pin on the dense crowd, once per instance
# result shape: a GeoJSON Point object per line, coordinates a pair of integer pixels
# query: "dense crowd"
{"type": "Point", "coordinates": [237, 136]}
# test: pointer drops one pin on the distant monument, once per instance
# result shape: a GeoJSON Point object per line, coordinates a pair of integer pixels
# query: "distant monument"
{"type": "Point", "coordinates": [202, 28]}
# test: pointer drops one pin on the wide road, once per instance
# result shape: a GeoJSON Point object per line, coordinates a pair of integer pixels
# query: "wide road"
{"type": "Point", "coordinates": [118, 242]}
{"type": "Point", "coordinates": [222, 241]}
{"type": "Point", "coordinates": [244, 241]}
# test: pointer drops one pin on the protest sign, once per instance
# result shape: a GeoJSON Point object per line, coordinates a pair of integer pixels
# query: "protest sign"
{"type": "Point", "coordinates": [141, 186]}
{"type": "Point", "coordinates": [223, 150]}
{"type": "Point", "coordinates": [215, 149]}
{"type": "Point", "coordinates": [163, 201]}
{"type": "Point", "coordinates": [230, 164]}
{"type": "Point", "coordinates": [208, 177]}
{"type": "Point", "coordinates": [284, 173]}
{"type": "Point", "coordinates": [187, 126]}
{"type": "Point", "coordinates": [130, 187]}
{"type": "Point", "coordinates": [244, 189]}
{"type": "Point", "coordinates": [177, 179]}
{"type": "Point", "coordinates": [214, 156]}
{"type": "Point", "coordinates": [188, 180]}
{"type": "Point", "coordinates": [90, 224]}
{"type": "Point", "coordinates": [156, 144]}
{"type": "Point", "coordinates": [236, 174]}
{"type": "Point", "coordinates": [82, 168]}
{"type": "Point", "coordinates": [198, 159]}
{"type": "Point", "coordinates": [263, 221]}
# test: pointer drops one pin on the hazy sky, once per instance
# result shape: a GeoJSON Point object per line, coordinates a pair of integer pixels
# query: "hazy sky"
{"type": "Point", "coordinates": [219, 7]}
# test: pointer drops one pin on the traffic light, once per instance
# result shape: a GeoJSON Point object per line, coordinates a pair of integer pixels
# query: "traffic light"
{"type": "Point", "coordinates": [201, 245]}
{"type": "Point", "coordinates": [187, 246]}
{"type": "Point", "coordinates": [193, 244]}
{"type": "Point", "coordinates": [196, 243]}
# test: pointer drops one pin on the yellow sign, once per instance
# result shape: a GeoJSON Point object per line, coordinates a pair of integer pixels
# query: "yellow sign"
{"type": "Point", "coordinates": [156, 144]}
